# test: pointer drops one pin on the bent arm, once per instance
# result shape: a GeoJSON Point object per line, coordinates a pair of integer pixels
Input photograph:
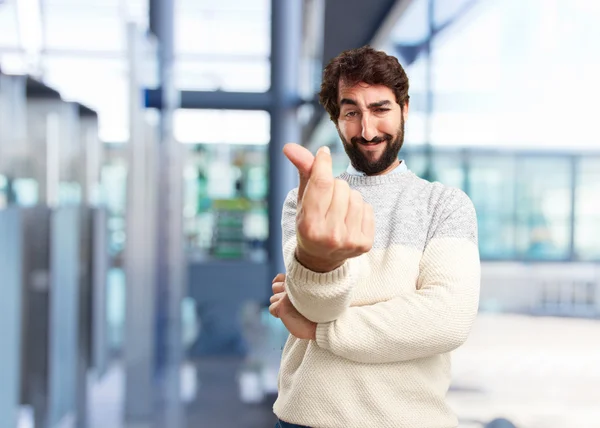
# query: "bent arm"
{"type": "Point", "coordinates": [320, 297]}
{"type": "Point", "coordinates": [434, 319]}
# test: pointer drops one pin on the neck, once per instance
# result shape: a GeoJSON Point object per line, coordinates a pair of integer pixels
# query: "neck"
{"type": "Point", "coordinates": [390, 168]}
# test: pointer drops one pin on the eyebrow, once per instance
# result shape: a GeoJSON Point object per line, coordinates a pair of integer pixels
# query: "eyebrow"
{"type": "Point", "coordinates": [372, 105]}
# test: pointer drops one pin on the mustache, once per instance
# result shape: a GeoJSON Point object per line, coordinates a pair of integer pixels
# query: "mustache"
{"type": "Point", "coordinates": [378, 139]}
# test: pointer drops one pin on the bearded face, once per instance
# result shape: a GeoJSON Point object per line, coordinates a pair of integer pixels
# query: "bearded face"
{"type": "Point", "coordinates": [371, 127]}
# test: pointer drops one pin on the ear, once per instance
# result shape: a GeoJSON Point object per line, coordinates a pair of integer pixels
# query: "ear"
{"type": "Point", "coordinates": [405, 111]}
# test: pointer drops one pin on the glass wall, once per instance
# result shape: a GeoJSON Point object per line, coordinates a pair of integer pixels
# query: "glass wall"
{"type": "Point", "coordinates": [506, 73]}
{"type": "Point", "coordinates": [491, 186]}
{"type": "Point", "coordinates": [587, 209]}
{"type": "Point", "coordinates": [530, 206]}
{"type": "Point", "coordinates": [226, 183]}
{"type": "Point", "coordinates": [223, 45]}
{"type": "Point", "coordinates": [225, 207]}
{"type": "Point", "coordinates": [543, 208]}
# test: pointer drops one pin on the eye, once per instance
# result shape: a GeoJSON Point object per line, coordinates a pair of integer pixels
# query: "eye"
{"type": "Point", "coordinates": [351, 114]}
{"type": "Point", "coordinates": [382, 110]}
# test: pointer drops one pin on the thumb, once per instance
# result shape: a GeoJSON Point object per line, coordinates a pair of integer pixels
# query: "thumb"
{"type": "Point", "coordinates": [303, 160]}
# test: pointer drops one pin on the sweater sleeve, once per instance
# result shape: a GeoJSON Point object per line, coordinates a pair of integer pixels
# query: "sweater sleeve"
{"type": "Point", "coordinates": [320, 297]}
{"type": "Point", "coordinates": [436, 318]}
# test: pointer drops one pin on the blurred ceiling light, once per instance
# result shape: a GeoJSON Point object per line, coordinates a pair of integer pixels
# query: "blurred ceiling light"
{"type": "Point", "coordinates": [29, 15]}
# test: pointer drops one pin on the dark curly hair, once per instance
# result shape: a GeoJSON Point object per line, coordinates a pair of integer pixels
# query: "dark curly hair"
{"type": "Point", "coordinates": [366, 65]}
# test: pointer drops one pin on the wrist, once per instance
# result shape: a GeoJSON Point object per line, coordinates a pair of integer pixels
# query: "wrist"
{"type": "Point", "coordinates": [316, 264]}
{"type": "Point", "coordinates": [313, 331]}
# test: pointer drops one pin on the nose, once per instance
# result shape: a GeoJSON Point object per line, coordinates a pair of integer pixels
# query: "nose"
{"type": "Point", "coordinates": [369, 130]}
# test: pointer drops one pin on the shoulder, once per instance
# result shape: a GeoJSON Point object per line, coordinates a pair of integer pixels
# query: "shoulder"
{"type": "Point", "coordinates": [437, 196]}
{"type": "Point", "coordinates": [452, 211]}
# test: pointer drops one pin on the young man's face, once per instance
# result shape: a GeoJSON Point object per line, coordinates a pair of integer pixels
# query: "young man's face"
{"type": "Point", "coordinates": [371, 126]}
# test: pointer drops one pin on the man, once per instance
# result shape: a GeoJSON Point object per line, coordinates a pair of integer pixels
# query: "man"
{"type": "Point", "coordinates": [382, 268]}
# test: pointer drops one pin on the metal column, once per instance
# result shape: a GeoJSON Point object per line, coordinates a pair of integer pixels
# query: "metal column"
{"type": "Point", "coordinates": [286, 48]}
{"type": "Point", "coordinates": [11, 271]}
{"type": "Point", "coordinates": [171, 261]}
{"type": "Point", "coordinates": [429, 167]}
{"type": "Point", "coordinates": [139, 258]}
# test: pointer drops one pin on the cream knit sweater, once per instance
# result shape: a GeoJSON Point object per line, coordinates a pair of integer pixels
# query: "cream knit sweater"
{"type": "Point", "coordinates": [387, 320]}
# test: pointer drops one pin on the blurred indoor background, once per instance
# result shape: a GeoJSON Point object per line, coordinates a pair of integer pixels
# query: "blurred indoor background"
{"type": "Point", "coordinates": [142, 180]}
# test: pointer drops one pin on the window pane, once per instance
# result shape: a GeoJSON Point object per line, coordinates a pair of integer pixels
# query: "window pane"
{"type": "Point", "coordinates": [225, 204]}
{"type": "Point", "coordinates": [222, 126]}
{"type": "Point", "coordinates": [587, 209]}
{"type": "Point", "coordinates": [223, 45]}
{"type": "Point", "coordinates": [588, 187]}
{"type": "Point", "coordinates": [9, 36]}
{"type": "Point", "coordinates": [84, 28]}
{"type": "Point", "coordinates": [415, 161]}
{"type": "Point", "coordinates": [496, 235]}
{"type": "Point", "coordinates": [587, 244]}
{"type": "Point", "coordinates": [237, 32]}
{"type": "Point", "coordinates": [491, 188]}
{"type": "Point", "coordinates": [543, 207]}
{"type": "Point", "coordinates": [448, 169]}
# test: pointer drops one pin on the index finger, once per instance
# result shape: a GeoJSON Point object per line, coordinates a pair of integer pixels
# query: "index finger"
{"type": "Point", "coordinates": [319, 189]}
{"type": "Point", "coordinates": [303, 160]}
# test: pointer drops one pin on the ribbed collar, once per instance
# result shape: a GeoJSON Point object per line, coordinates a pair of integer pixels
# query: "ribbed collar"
{"type": "Point", "coordinates": [353, 176]}
{"type": "Point", "coordinates": [374, 180]}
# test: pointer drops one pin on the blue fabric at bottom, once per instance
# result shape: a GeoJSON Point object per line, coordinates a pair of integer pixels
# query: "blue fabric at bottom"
{"type": "Point", "coordinates": [282, 424]}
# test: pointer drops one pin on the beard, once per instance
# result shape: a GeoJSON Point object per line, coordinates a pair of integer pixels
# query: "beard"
{"type": "Point", "coordinates": [390, 154]}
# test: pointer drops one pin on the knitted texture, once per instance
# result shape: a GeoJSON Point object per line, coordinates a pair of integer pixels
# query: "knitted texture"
{"type": "Point", "coordinates": [388, 319]}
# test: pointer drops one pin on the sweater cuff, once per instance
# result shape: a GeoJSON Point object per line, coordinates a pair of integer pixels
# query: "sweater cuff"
{"type": "Point", "coordinates": [309, 277]}
{"type": "Point", "coordinates": [322, 335]}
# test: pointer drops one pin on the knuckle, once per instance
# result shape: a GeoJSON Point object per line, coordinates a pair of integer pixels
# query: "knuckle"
{"type": "Point", "coordinates": [341, 185]}
{"type": "Point", "coordinates": [366, 246]}
{"type": "Point", "coordinates": [311, 233]}
{"type": "Point", "coordinates": [336, 239]}
{"type": "Point", "coordinates": [305, 229]}
{"type": "Point", "coordinates": [321, 183]}
{"type": "Point", "coordinates": [356, 196]}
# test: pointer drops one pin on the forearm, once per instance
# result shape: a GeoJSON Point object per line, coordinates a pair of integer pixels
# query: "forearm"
{"type": "Point", "coordinates": [320, 297]}
{"type": "Point", "coordinates": [434, 319]}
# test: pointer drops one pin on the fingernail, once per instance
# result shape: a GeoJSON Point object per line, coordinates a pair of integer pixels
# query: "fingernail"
{"type": "Point", "coordinates": [325, 149]}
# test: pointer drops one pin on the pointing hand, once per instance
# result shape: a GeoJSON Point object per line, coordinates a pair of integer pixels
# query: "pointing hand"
{"type": "Point", "coordinates": [333, 223]}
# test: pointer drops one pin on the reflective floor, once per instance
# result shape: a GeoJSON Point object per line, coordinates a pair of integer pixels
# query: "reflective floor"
{"type": "Point", "coordinates": [218, 404]}
{"type": "Point", "coordinates": [537, 372]}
